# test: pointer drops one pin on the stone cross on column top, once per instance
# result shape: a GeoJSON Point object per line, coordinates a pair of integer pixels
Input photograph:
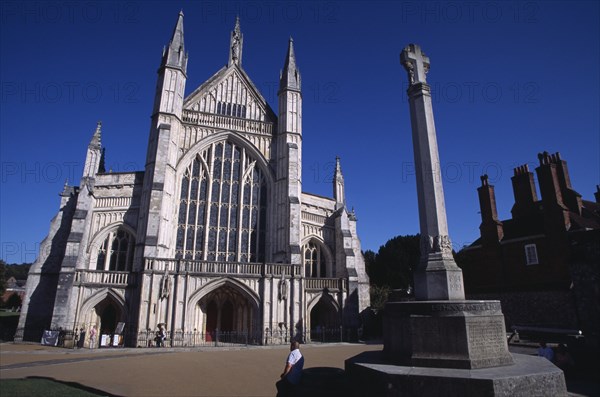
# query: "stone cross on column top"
{"type": "Point", "coordinates": [415, 62]}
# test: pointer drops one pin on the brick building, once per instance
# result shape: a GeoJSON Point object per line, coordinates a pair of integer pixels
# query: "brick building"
{"type": "Point", "coordinates": [13, 287]}
{"type": "Point", "coordinates": [544, 262]}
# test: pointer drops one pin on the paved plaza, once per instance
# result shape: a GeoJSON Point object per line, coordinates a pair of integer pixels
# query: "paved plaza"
{"type": "Point", "coordinates": [243, 371]}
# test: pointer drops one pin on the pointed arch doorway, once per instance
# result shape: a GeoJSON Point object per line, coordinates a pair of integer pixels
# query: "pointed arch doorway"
{"type": "Point", "coordinates": [212, 321]}
{"type": "Point", "coordinates": [104, 310]}
{"type": "Point", "coordinates": [228, 315]}
{"type": "Point", "coordinates": [108, 318]}
{"type": "Point", "coordinates": [109, 314]}
{"type": "Point", "coordinates": [324, 320]}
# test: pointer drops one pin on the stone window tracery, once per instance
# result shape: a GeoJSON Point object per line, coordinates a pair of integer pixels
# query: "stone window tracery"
{"type": "Point", "coordinates": [222, 207]}
{"type": "Point", "coordinates": [231, 109]}
{"type": "Point", "coordinates": [116, 251]}
{"type": "Point", "coordinates": [314, 261]}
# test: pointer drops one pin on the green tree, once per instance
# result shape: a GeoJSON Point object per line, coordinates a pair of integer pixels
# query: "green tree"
{"type": "Point", "coordinates": [390, 268]}
{"type": "Point", "coordinates": [13, 301]}
{"type": "Point", "coordinates": [2, 276]}
{"type": "Point", "coordinates": [369, 261]}
{"type": "Point", "coordinates": [379, 296]}
{"type": "Point", "coordinates": [19, 272]}
{"type": "Point", "coordinates": [394, 263]}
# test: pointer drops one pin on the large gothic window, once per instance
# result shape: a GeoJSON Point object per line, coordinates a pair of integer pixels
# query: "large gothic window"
{"type": "Point", "coordinates": [116, 251]}
{"type": "Point", "coordinates": [314, 261]}
{"type": "Point", "coordinates": [222, 207]}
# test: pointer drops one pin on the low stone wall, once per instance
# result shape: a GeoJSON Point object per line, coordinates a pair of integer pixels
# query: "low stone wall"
{"type": "Point", "coordinates": [555, 309]}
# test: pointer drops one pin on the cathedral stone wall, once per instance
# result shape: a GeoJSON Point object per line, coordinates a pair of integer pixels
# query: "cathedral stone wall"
{"type": "Point", "coordinates": [317, 219]}
{"type": "Point", "coordinates": [117, 200]}
{"type": "Point", "coordinates": [213, 240]}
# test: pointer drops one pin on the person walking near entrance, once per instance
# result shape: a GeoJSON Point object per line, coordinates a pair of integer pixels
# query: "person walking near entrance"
{"type": "Point", "coordinates": [81, 340]}
{"type": "Point", "coordinates": [161, 335]}
{"type": "Point", "coordinates": [292, 372]}
{"type": "Point", "coordinates": [93, 333]}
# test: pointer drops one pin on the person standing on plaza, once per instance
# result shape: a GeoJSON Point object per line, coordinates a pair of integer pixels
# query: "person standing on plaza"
{"type": "Point", "coordinates": [81, 339]}
{"type": "Point", "coordinates": [546, 351]}
{"type": "Point", "coordinates": [93, 333]}
{"type": "Point", "coordinates": [563, 359]}
{"type": "Point", "coordinates": [161, 335]}
{"type": "Point", "coordinates": [292, 372]}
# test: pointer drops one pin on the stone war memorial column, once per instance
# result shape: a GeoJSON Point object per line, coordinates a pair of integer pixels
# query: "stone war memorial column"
{"type": "Point", "coordinates": [437, 276]}
{"type": "Point", "coordinates": [440, 328]}
{"type": "Point", "coordinates": [441, 344]}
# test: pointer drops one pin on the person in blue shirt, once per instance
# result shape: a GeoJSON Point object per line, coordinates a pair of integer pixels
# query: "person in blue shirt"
{"type": "Point", "coordinates": [546, 351]}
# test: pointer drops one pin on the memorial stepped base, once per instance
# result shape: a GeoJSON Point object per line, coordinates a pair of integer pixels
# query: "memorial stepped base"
{"type": "Point", "coordinates": [529, 376]}
{"type": "Point", "coordinates": [446, 334]}
{"type": "Point", "coordinates": [450, 348]}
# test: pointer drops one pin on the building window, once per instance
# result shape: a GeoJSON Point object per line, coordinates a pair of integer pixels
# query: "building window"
{"type": "Point", "coordinates": [222, 207]}
{"type": "Point", "coordinates": [314, 262]}
{"type": "Point", "coordinates": [531, 256]}
{"type": "Point", "coordinates": [230, 109]}
{"type": "Point", "coordinates": [116, 251]}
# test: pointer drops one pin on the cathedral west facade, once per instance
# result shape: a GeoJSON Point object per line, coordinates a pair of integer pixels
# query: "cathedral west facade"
{"type": "Point", "coordinates": [214, 236]}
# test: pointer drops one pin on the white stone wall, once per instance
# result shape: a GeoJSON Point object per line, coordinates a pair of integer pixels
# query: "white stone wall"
{"type": "Point", "coordinates": [146, 203]}
{"type": "Point", "coordinates": [317, 221]}
{"type": "Point", "coordinates": [117, 200]}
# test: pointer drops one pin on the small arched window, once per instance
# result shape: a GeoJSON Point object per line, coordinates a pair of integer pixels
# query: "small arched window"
{"type": "Point", "coordinates": [314, 261]}
{"type": "Point", "coordinates": [231, 109]}
{"type": "Point", "coordinates": [116, 251]}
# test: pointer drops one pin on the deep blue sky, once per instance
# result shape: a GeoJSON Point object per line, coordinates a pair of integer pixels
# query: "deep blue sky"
{"type": "Point", "coordinates": [509, 79]}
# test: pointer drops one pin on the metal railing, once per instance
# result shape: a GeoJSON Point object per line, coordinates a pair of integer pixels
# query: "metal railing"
{"type": "Point", "coordinates": [215, 338]}
{"type": "Point", "coordinates": [327, 334]}
{"type": "Point", "coordinates": [144, 339]}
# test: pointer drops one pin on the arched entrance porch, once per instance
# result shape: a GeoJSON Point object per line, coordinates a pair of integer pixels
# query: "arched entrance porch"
{"type": "Point", "coordinates": [228, 315]}
{"type": "Point", "coordinates": [104, 311]}
{"type": "Point", "coordinates": [325, 320]}
{"type": "Point", "coordinates": [225, 310]}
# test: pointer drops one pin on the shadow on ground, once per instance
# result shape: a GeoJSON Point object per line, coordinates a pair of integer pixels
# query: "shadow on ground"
{"type": "Point", "coordinates": [49, 387]}
{"type": "Point", "coordinates": [333, 382]}
{"type": "Point", "coordinates": [324, 381]}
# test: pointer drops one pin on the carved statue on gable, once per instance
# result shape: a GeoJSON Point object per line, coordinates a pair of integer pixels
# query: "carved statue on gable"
{"type": "Point", "coordinates": [235, 48]}
{"type": "Point", "coordinates": [236, 42]}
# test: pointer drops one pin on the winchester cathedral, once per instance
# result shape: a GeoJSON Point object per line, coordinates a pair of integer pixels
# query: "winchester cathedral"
{"type": "Point", "coordinates": [214, 237]}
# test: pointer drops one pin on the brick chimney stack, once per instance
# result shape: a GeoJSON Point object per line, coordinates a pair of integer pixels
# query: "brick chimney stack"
{"type": "Point", "coordinates": [549, 178]}
{"type": "Point", "coordinates": [524, 192]}
{"type": "Point", "coordinates": [571, 198]}
{"type": "Point", "coordinates": [491, 228]}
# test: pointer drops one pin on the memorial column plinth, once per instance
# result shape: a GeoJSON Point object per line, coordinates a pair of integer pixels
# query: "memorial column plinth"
{"type": "Point", "coordinates": [446, 334]}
